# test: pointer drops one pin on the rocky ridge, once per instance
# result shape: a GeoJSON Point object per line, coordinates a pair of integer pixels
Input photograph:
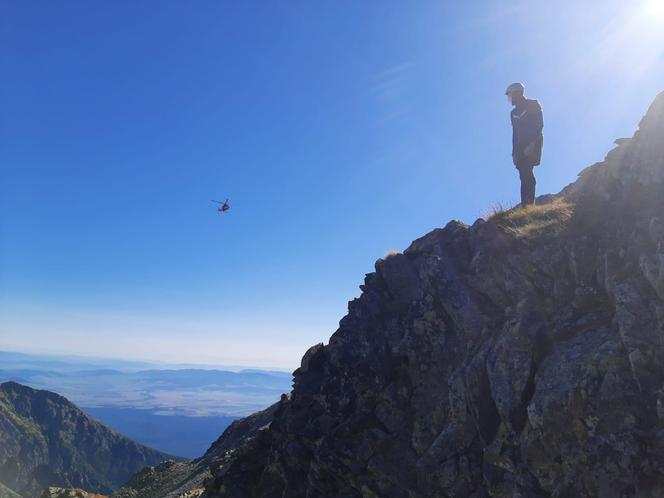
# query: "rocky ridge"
{"type": "Point", "coordinates": [521, 356]}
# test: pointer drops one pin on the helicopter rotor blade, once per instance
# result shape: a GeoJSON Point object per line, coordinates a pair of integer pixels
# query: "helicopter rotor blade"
{"type": "Point", "coordinates": [218, 202]}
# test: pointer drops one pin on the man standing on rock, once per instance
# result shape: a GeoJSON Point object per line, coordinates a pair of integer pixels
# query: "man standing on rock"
{"type": "Point", "coordinates": [527, 139]}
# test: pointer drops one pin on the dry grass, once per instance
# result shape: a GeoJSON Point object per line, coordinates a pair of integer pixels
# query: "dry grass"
{"type": "Point", "coordinates": [495, 210]}
{"type": "Point", "coordinates": [532, 221]}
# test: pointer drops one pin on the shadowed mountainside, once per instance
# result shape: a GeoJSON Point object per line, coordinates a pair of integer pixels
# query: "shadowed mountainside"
{"type": "Point", "coordinates": [47, 441]}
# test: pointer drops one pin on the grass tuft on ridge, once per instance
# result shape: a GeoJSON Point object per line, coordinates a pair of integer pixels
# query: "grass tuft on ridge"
{"type": "Point", "coordinates": [532, 221]}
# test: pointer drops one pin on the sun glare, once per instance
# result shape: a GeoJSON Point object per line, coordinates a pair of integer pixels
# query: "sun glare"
{"type": "Point", "coordinates": [654, 10]}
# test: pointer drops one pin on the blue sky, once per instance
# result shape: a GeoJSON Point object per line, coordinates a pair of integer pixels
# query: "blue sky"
{"type": "Point", "coordinates": [339, 131]}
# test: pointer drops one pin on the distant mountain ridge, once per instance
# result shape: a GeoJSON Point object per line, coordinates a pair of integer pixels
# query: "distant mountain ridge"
{"type": "Point", "coordinates": [60, 362]}
{"type": "Point", "coordinates": [45, 440]}
{"type": "Point", "coordinates": [187, 391]}
{"type": "Point", "coordinates": [175, 411]}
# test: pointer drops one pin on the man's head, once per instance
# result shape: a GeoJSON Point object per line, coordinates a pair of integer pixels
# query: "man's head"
{"type": "Point", "coordinates": [514, 93]}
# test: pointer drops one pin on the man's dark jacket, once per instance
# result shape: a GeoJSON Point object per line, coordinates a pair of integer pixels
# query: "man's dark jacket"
{"type": "Point", "coordinates": [527, 125]}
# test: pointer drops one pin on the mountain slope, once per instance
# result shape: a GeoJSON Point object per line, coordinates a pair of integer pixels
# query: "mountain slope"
{"type": "Point", "coordinates": [174, 479]}
{"type": "Point", "coordinates": [47, 441]}
{"type": "Point", "coordinates": [521, 356]}
{"type": "Point", "coordinates": [5, 492]}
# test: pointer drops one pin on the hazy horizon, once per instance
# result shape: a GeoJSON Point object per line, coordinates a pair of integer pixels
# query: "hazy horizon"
{"type": "Point", "coordinates": [176, 408]}
{"type": "Point", "coordinates": [128, 363]}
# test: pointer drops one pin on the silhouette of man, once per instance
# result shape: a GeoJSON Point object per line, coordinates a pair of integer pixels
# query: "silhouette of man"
{"type": "Point", "coordinates": [527, 139]}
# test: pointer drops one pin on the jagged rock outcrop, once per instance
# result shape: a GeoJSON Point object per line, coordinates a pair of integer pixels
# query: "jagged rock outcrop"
{"type": "Point", "coordinates": [186, 479]}
{"type": "Point", "coordinates": [518, 357]}
{"type": "Point", "coordinates": [45, 440]}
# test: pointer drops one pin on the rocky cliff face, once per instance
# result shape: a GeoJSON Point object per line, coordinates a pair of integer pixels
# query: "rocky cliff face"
{"type": "Point", "coordinates": [518, 357]}
{"type": "Point", "coordinates": [46, 440]}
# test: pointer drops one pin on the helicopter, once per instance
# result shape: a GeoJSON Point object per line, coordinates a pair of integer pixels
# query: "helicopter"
{"type": "Point", "coordinates": [223, 206]}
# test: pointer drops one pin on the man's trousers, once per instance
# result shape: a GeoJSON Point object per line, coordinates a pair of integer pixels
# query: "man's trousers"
{"type": "Point", "coordinates": [527, 185]}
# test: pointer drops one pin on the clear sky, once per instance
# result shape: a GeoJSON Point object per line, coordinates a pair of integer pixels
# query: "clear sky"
{"type": "Point", "coordinates": [339, 130]}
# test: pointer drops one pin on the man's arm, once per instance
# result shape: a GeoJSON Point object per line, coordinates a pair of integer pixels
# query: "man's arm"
{"type": "Point", "coordinates": [515, 142]}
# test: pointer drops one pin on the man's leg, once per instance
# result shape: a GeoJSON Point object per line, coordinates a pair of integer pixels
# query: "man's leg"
{"type": "Point", "coordinates": [527, 185]}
